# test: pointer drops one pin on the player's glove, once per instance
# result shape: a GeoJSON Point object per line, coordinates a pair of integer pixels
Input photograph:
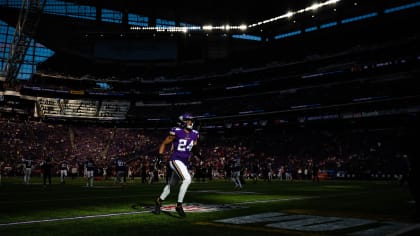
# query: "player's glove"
{"type": "Point", "coordinates": [160, 160]}
{"type": "Point", "coordinates": [196, 152]}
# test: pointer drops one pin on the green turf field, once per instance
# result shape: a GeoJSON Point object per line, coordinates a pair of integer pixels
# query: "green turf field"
{"type": "Point", "coordinates": [273, 208]}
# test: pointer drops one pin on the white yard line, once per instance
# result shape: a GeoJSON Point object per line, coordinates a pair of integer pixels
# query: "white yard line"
{"type": "Point", "coordinates": [73, 218]}
{"type": "Point", "coordinates": [141, 212]}
{"type": "Point", "coordinates": [274, 200]}
{"type": "Point", "coordinates": [127, 213]}
{"type": "Point", "coordinates": [67, 199]}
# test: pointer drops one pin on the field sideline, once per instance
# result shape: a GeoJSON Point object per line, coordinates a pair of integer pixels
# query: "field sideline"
{"type": "Point", "coordinates": [213, 208]}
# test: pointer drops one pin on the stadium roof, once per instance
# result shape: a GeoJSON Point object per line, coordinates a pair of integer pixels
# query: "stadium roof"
{"type": "Point", "coordinates": [206, 11]}
{"type": "Point", "coordinates": [217, 12]}
{"type": "Point", "coordinates": [81, 37]}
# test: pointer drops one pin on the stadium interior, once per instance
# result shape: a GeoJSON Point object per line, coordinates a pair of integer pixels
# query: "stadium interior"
{"type": "Point", "coordinates": [344, 54]}
{"type": "Point", "coordinates": [287, 84]}
{"type": "Point", "coordinates": [340, 62]}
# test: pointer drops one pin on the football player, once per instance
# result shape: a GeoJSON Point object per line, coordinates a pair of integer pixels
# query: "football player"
{"type": "Point", "coordinates": [236, 171]}
{"type": "Point", "coordinates": [63, 170]}
{"type": "Point", "coordinates": [120, 167]}
{"type": "Point", "coordinates": [27, 169]}
{"type": "Point", "coordinates": [184, 140]}
{"type": "Point", "coordinates": [89, 171]}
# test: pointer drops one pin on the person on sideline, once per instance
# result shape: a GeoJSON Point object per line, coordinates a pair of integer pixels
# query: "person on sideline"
{"type": "Point", "coordinates": [27, 170]}
{"type": "Point", "coordinates": [46, 168]}
{"type": "Point", "coordinates": [89, 172]}
{"type": "Point", "coordinates": [63, 170]}
{"type": "Point", "coordinates": [120, 168]}
{"type": "Point", "coordinates": [236, 171]}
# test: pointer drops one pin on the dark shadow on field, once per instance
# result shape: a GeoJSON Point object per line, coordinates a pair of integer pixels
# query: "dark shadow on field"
{"type": "Point", "coordinates": [139, 206]}
{"type": "Point", "coordinates": [171, 214]}
{"type": "Point", "coordinates": [143, 206]}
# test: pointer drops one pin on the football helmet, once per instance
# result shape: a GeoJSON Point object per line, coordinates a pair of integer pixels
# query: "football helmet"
{"type": "Point", "coordinates": [182, 119]}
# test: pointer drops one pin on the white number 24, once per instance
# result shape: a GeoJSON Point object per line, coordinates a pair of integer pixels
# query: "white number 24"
{"type": "Point", "coordinates": [182, 145]}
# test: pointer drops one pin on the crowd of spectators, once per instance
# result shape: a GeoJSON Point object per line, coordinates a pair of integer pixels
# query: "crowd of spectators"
{"type": "Point", "coordinates": [289, 153]}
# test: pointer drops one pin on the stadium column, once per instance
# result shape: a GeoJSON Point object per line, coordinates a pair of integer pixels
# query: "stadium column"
{"type": "Point", "coordinates": [99, 14]}
{"type": "Point", "coordinates": [125, 19]}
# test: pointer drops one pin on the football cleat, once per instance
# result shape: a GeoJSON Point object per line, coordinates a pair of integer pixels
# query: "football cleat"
{"type": "Point", "coordinates": [158, 205]}
{"type": "Point", "coordinates": [180, 211]}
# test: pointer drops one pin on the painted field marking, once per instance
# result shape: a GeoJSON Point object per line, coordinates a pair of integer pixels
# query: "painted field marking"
{"type": "Point", "coordinates": [189, 207]}
{"type": "Point", "coordinates": [316, 224]}
{"type": "Point", "coordinates": [72, 218]}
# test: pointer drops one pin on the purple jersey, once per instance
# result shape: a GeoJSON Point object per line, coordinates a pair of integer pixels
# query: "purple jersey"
{"type": "Point", "coordinates": [183, 143]}
{"type": "Point", "coordinates": [120, 164]}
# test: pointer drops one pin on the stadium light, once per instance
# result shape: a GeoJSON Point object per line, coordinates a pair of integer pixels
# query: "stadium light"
{"type": "Point", "coordinates": [289, 14]}
{"type": "Point", "coordinates": [228, 27]}
{"type": "Point", "coordinates": [186, 29]}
